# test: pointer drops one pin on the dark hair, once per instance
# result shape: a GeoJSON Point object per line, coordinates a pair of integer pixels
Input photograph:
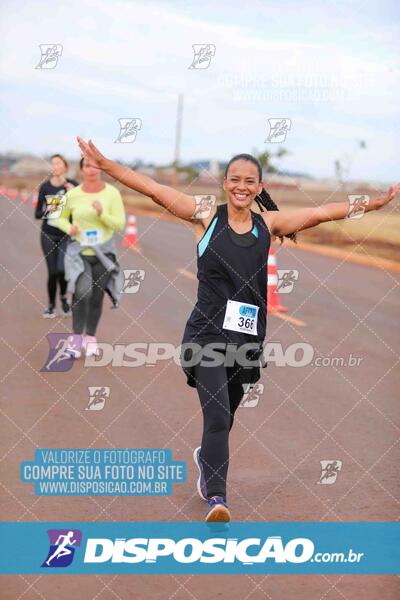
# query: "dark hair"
{"type": "Point", "coordinates": [61, 157]}
{"type": "Point", "coordinates": [81, 163]}
{"type": "Point", "coordinates": [263, 199]}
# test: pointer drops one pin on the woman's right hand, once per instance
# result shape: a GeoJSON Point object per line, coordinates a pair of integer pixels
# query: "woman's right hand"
{"type": "Point", "coordinates": [74, 230]}
{"type": "Point", "coordinates": [92, 155]}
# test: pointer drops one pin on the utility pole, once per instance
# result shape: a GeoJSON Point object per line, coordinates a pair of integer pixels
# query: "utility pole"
{"type": "Point", "coordinates": [178, 135]}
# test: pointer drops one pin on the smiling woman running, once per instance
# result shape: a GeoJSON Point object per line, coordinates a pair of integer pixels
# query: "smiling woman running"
{"type": "Point", "coordinates": [225, 332]}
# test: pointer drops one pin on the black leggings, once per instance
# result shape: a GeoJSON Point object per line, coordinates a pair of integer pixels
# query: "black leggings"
{"type": "Point", "coordinates": [54, 249]}
{"type": "Point", "coordinates": [219, 400]}
{"type": "Point", "coordinates": [87, 301]}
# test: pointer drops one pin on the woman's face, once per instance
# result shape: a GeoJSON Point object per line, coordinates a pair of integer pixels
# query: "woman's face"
{"type": "Point", "coordinates": [242, 184]}
{"type": "Point", "coordinates": [90, 174]}
{"type": "Point", "coordinates": [58, 167]}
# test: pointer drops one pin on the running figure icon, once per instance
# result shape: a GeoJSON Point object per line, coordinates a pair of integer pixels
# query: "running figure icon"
{"type": "Point", "coordinates": [63, 545]}
{"type": "Point", "coordinates": [62, 549]}
{"type": "Point", "coordinates": [63, 348]}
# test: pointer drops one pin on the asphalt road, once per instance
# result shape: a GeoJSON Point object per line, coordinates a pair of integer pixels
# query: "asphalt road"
{"type": "Point", "coordinates": [304, 415]}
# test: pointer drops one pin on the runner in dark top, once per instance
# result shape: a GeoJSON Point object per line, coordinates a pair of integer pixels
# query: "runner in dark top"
{"type": "Point", "coordinates": [54, 241]}
{"type": "Point", "coordinates": [227, 273]}
{"type": "Point", "coordinates": [223, 339]}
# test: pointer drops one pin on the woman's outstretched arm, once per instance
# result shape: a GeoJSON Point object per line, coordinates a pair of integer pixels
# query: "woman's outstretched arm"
{"type": "Point", "coordinates": [180, 204]}
{"type": "Point", "coordinates": [290, 221]}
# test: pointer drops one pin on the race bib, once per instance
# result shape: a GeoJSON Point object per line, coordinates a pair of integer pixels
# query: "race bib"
{"type": "Point", "coordinates": [91, 237]}
{"type": "Point", "coordinates": [241, 317]}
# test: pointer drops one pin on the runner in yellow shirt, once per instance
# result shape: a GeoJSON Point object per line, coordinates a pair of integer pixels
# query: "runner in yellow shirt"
{"type": "Point", "coordinates": [96, 211]}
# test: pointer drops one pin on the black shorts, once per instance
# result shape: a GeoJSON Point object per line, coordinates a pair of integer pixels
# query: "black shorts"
{"type": "Point", "coordinates": [236, 373]}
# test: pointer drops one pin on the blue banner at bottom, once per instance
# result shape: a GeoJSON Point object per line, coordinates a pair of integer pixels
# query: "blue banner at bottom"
{"type": "Point", "coordinates": [200, 548]}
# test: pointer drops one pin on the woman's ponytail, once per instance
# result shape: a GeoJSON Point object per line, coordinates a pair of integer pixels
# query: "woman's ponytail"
{"type": "Point", "coordinates": [264, 200]}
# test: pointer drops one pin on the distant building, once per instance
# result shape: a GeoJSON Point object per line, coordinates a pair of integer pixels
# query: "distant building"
{"type": "Point", "coordinates": [209, 170]}
{"type": "Point", "coordinates": [30, 165]}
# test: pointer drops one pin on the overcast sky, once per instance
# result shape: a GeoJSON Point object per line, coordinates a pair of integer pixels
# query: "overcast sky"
{"type": "Point", "coordinates": [332, 67]}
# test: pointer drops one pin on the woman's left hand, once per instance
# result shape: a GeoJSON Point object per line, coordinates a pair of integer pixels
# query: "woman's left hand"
{"type": "Point", "coordinates": [381, 201]}
{"type": "Point", "coordinates": [97, 207]}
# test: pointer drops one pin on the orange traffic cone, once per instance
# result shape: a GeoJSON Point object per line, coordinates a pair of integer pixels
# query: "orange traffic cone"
{"type": "Point", "coordinates": [131, 238]}
{"type": "Point", "coordinates": [24, 196]}
{"type": "Point", "coordinates": [273, 301]}
{"type": "Point", "coordinates": [34, 200]}
{"type": "Point", "coordinates": [13, 193]}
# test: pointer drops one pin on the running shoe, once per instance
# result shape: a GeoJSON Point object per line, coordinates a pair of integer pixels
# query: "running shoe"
{"type": "Point", "coordinates": [201, 482]}
{"type": "Point", "coordinates": [90, 346]}
{"type": "Point", "coordinates": [49, 313]}
{"type": "Point", "coordinates": [218, 511]}
{"type": "Point", "coordinates": [65, 307]}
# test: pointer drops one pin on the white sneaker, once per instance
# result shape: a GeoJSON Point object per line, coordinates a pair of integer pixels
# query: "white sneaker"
{"type": "Point", "coordinates": [201, 482]}
{"type": "Point", "coordinates": [49, 313]}
{"type": "Point", "coordinates": [90, 346]}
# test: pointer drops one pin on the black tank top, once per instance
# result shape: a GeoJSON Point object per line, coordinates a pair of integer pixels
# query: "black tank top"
{"type": "Point", "coordinates": [228, 270]}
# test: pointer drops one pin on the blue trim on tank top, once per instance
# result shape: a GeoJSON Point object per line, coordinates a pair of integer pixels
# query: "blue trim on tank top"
{"type": "Point", "coordinates": [254, 231]}
{"type": "Point", "coordinates": [202, 245]}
